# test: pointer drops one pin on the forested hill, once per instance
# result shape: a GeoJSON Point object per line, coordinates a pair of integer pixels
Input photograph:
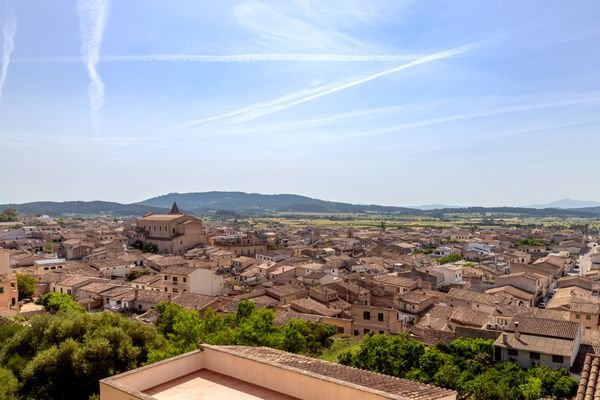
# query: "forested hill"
{"type": "Point", "coordinates": [90, 208]}
{"type": "Point", "coordinates": [265, 204]}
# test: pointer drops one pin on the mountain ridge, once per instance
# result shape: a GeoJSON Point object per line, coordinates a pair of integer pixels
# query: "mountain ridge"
{"type": "Point", "coordinates": [216, 202]}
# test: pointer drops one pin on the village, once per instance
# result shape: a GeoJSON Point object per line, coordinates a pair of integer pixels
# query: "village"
{"type": "Point", "coordinates": [535, 292]}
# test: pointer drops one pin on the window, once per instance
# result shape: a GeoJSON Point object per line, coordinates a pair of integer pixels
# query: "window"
{"type": "Point", "coordinates": [534, 356]}
{"type": "Point", "coordinates": [175, 290]}
{"type": "Point", "coordinates": [184, 280]}
{"type": "Point", "coordinates": [380, 316]}
{"type": "Point", "coordinates": [1, 289]}
{"type": "Point", "coordinates": [558, 359]}
{"type": "Point", "coordinates": [366, 315]}
{"type": "Point", "coordinates": [356, 332]}
{"type": "Point", "coordinates": [381, 332]}
{"type": "Point", "coordinates": [367, 330]}
{"type": "Point", "coordinates": [576, 316]}
{"type": "Point", "coordinates": [588, 317]}
{"type": "Point", "coordinates": [513, 353]}
{"type": "Point", "coordinates": [165, 277]}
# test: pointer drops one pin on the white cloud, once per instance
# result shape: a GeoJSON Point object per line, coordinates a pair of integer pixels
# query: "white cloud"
{"type": "Point", "coordinates": [93, 16]}
{"type": "Point", "coordinates": [234, 58]}
{"type": "Point", "coordinates": [293, 99]}
{"type": "Point", "coordinates": [308, 25]}
{"type": "Point", "coordinates": [9, 31]}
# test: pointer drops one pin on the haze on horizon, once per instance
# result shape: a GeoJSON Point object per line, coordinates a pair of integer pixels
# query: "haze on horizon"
{"type": "Point", "coordinates": [384, 102]}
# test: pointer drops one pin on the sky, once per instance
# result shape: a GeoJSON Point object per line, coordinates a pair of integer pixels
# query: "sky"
{"type": "Point", "coordinates": [394, 102]}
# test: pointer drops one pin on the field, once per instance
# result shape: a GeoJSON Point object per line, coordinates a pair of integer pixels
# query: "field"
{"type": "Point", "coordinates": [391, 221]}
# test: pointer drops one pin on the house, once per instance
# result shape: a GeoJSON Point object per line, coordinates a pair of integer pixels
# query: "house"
{"type": "Point", "coordinates": [282, 274]}
{"type": "Point", "coordinates": [76, 249]}
{"type": "Point", "coordinates": [370, 319]}
{"type": "Point", "coordinates": [473, 300]}
{"type": "Point", "coordinates": [187, 279]}
{"type": "Point", "coordinates": [531, 341]}
{"type": "Point", "coordinates": [394, 284]}
{"type": "Point", "coordinates": [533, 283]}
{"type": "Point", "coordinates": [286, 293]}
{"type": "Point", "coordinates": [311, 306]}
{"type": "Point", "coordinates": [415, 302]}
{"type": "Point", "coordinates": [113, 267]}
{"type": "Point", "coordinates": [119, 298]}
{"type": "Point", "coordinates": [453, 274]}
{"type": "Point", "coordinates": [145, 282]}
{"type": "Point", "coordinates": [516, 295]}
{"type": "Point", "coordinates": [235, 372]}
{"type": "Point", "coordinates": [460, 235]}
{"type": "Point", "coordinates": [243, 262]}
{"type": "Point", "coordinates": [145, 300]}
{"type": "Point", "coordinates": [443, 251]}
{"type": "Point", "coordinates": [240, 245]}
{"type": "Point", "coordinates": [317, 278]}
{"type": "Point", "coordinates": [48, 264]}
{"type": "Point", "coordinates": [71, 284]}
{"type": "Point", "coordinates": [551, 264]}
{"type": "Point", "coordinates": [8, 285]}
{"type": "Point", "coordinates": [274, 256]}
{"type": "Point", "coordinates": [172, 233]}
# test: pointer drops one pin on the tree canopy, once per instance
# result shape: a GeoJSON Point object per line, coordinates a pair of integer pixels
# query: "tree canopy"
{"type": "Point", "coordinates": [248, 326]}
{"type": "Point", "coordinates": [25, 286]}
{"type": "Point", "coordinates": [59, 302]}
{"type": "Point", "coordinates": [465, 365]}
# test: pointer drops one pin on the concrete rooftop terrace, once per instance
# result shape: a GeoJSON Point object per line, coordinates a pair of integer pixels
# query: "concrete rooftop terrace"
{"type": "Point", "coordinates": [209, 385]}
{"type": "Point", "coordinates": [244, 373]}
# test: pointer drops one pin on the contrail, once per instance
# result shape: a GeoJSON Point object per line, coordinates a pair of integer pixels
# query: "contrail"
{"type": "Point", "coordinates": [9, 31]}
{"type": "Point", "coordinates": [93, 15]}
{"type": "Point", "coordinates": [234, 58]}
{"type": "Point", "coordinates": [479, 114]}
{"type": "Point", "coordinates": [261, 109]}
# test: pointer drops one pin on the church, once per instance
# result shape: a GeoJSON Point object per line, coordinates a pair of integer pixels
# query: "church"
{"type": "Point", "coordinates": [172, 233]}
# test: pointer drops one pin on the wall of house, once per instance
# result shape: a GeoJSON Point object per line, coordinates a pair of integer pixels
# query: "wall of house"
{"type": "Point", "coordinates": [524, 359]}
{"type": "Point", "coordinates": [381, 320]}
{"type": "Point", "coordinates": [581, 317]}
{"type": "Point", "coordinates": [8, 292]}
{"type": "Point", "coordinates": [205, 281]}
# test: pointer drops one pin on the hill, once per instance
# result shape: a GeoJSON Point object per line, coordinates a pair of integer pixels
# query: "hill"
{"type": "Point", "coordinates": [90, 208]}
{"type": "Point", "coordinates": [568, 204]}
{"type": "Point", "coordinates": [255, 203]}
{"type": "Point", "coordinates": [232, 203]}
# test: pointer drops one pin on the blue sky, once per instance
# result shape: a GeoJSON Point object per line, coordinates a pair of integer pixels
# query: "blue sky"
{"type": "Point", "coordinates": [381, 101]}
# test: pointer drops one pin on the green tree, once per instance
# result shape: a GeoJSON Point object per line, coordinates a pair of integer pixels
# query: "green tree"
{"type": "Point", "coordinates": [48, 247]}
{"type": "Point", "coordinates": [149, 248]}
{"type": "Point", "coordinates": [293, 339]}
{"type": "Point", "coordinates": [25, 286]}
{"type": "Point", "coordinates": [449, 259]}
{"type": "Point", "coordinates": [60, 302]}
{"type": "Point", "coordinates": [393, 355]}
{"type": "Point", "coordinates": [63, 355]}
{"type": "Point", "coordinates": [431, 361]}
{"type": "Point", "coordinates": [136, 273]}
{"type": "Point", "coordinates": [9, 385]}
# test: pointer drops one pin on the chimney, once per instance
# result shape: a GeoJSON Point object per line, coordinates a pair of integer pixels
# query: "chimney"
{"type": "Point", "coordinates": [505, 338]}
{"type": "Point", "coordinates": [517, 333]}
